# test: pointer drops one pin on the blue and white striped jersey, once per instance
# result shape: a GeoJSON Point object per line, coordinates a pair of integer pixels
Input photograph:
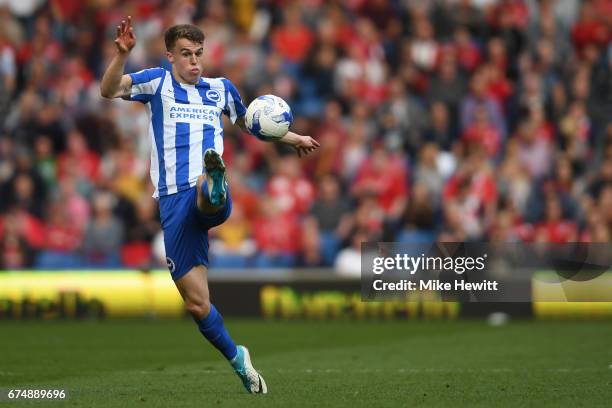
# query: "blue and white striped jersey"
{"type": "Point", "coordinates": [184, 121]}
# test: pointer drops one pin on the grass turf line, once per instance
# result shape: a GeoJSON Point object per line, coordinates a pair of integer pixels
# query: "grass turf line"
{"type": "Point", "coordinates": [345, 363]}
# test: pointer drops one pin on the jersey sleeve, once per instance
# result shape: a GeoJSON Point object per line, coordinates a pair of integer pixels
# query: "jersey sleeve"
{"type": "Point", "coordinates": [234, 108]}
{"type": "Point", "coordinates": [145, 84]}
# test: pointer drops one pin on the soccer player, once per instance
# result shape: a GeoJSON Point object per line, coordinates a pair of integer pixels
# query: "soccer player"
{"type": "Point", "coordinates": [186, 130]}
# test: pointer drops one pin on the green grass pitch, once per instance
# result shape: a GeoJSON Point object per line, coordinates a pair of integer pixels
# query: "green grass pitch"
{"type": "Point", "coordinates": [305, 363]}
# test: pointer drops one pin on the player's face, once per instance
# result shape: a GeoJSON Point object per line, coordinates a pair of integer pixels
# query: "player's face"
{"type": "Point", "coordinates": [187, 59]}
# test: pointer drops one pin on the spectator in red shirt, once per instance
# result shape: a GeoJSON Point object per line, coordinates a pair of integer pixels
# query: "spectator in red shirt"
{"type": "Point", "coordinates": [384, 176]}
{"type": "Point", "coordinates": [292, 192]}
{"type": "Point", "coordinates": [293, 39]}
{"type": "Point", "coordinates": [42, 47]}
{"type": "Point", "coordinates": [341, 30]}
{"type": "Point", "coordinates": [470, 196]}
{"type": "Point", "coordinates": [514, 13]}
{"type": "Point", "coordinates": [243, 195]}
{"type": "Point", "coordinates": [78, 160]}
{"type": "Point", "coordinates": [555, 228]}
{"type": "Point", "coordinates": [483, 133]}
{"type": "Point", "coordinates": [498, 86]}
{"type": "Point", "coordinates": [332, 134]}
{"type": "Point", "coordinates": [28, 226]}
{"type": "Point", "coordinates": [76, 205]}
{"type": "Point", "coordinates": [542, 128]}
{"type": "Point", "coordinates": [277, 236]}
{"type": "Point", "coordinates": [590, 29]}
{"type": "Point", "coordinates": [61, 235]}
{"type": "Point", "coordinates": [468, 54]}
{"type": "Point", "coordinates": [61, 239]}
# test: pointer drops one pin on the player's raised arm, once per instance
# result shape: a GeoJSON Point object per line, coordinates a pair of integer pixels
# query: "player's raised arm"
{"type": "Point", "coordinates": [114, 83]}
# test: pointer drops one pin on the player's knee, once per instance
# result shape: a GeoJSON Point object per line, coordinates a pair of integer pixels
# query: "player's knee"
{"type": "Point", "coordinates": [198, 308]}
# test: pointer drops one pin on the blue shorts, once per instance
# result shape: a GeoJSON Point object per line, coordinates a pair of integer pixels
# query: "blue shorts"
{"type": "Point", "coordinates": [186, 230]}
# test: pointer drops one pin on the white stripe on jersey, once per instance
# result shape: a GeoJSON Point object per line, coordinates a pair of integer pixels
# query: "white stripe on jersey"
{"type": "Point", "coordinates": [169, 137]}
{"type": "Point", "coordinates": [196, 138]}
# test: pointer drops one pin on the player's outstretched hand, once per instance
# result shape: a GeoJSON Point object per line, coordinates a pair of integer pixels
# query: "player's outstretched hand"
{"type": "Point", "coordinates": [305, 145]}
{"type": "Point", "coordinates": [126, 40]}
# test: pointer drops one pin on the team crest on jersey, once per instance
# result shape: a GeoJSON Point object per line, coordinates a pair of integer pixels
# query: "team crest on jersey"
{"type": "Point", "coordinates": [213, 95]}
{"type": "Point", "coordinates": [170, 263]}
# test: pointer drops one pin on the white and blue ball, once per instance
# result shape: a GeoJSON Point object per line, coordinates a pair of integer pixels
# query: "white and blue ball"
{"type": "Point", "coordinates": [268, 118]}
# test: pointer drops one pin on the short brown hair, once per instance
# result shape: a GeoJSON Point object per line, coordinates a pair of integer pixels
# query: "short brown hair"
{"type": "Point", "coordinates": [188, 31]}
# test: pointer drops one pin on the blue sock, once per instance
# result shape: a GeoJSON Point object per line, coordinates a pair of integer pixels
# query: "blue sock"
{"type": "Point", "coordinates": [213, 329]}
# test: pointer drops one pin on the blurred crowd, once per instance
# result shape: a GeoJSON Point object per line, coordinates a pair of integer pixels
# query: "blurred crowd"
{"type": "Point", "coordinates": [450, 120]}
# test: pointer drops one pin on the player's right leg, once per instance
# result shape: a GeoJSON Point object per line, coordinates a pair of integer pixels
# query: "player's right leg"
{"type": "Point", "coordinates": [186, 242]}
{"type": "Point", "coordinates": [193, 287]}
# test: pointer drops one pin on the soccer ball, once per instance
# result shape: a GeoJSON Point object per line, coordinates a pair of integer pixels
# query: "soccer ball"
{"type": "Point", "coordinates": [268, 118]}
